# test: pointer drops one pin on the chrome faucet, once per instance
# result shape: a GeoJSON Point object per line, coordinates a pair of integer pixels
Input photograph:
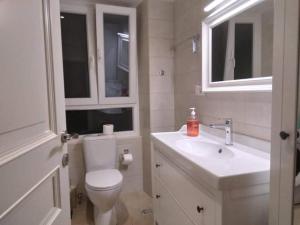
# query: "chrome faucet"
{"type": "Point", "coordinates": [227, 126]}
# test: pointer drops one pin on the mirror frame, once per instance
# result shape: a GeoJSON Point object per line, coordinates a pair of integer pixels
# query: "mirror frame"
{"type": "Point", "coordinates": [223, 12]}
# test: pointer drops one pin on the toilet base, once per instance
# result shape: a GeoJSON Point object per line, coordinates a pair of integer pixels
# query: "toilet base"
{"type": "Point", "coordinates": [107, 218]}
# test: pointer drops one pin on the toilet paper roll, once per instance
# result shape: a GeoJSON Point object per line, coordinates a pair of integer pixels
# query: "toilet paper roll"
{"type": "Point", "coordinates": [126, 159]}
{"type": "Point", "coordinates": [108, 129]}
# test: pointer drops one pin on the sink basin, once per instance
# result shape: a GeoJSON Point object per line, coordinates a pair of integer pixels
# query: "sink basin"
{"type": "Point", "coordinates": [204, 149]}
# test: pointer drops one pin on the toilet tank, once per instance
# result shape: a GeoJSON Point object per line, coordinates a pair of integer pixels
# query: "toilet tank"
{"type": "Point", "coordinates": [100, 152]}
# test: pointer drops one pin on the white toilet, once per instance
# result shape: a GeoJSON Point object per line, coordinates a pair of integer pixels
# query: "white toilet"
{"type": "Point", "coordinates": [103, 182]}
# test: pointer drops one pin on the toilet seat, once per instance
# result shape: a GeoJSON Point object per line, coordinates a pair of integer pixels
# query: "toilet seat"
{"type": "Point", "coordinates": [106, 179]}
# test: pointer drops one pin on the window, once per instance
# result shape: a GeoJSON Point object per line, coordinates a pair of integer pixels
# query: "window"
{"type": "Point", "coordinates": [75, 56]}
{"type": "Point", "coordinates": [243, 51]}
{"type": "Point", "coordinates": [78, 56]}
{"type": "Point", "coordinates": [243, 56]}
{"type": "Point", "coordinates": [116, 43]}
{"type": "Point", "coordinates": [92, 121]}
{"type": "Point", "coordinates": [100, 68]}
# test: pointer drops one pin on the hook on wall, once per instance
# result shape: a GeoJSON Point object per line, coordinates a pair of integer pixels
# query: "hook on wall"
{"type": "Point", "coordinates": [195, 43]}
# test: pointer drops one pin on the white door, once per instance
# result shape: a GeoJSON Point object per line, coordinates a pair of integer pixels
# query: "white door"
{"type": "Point", "coordinates": [284, 118]}
{"type": "Point", "coordinates": [33, 182]}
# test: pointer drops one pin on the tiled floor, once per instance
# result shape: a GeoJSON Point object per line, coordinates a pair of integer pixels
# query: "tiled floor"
{"type": "Point", "coordinates": [129, 211]}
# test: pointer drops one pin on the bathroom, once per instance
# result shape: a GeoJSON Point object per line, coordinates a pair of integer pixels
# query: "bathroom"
{"type": "Point", "coordinates": [149, 112]}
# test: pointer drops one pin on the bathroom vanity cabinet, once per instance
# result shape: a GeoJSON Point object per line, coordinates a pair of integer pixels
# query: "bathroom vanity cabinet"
{"type": "Point", "coordinates": [181, 196]}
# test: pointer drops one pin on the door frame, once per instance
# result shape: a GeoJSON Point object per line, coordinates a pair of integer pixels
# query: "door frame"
{"type": "Point", "coordinates": [284, 108]}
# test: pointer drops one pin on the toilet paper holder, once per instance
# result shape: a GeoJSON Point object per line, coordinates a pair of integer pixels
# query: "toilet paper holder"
{"type": "Point", "coordinates": [126, 158]}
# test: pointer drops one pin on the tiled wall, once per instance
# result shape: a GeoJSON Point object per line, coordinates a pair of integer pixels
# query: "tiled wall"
{"type": "Point", "coordinates": [144, 93]}
{"type": "Point", "coordinates": [156, 73]}
{"type": "Point", "coordinates": [251, 112]}
{"type": "Point", "coordinates": [161, 60]}
{"type": "Point", "coordinates": [132, 175]}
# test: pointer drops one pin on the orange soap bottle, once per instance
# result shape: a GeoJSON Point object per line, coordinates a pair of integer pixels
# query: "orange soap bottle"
{"type": "Point", "coordinates": [192, 124]}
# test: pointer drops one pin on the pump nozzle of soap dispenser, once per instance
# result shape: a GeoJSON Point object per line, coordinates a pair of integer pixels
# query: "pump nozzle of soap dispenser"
{"type": "Point", "coordinates": [193, 113]}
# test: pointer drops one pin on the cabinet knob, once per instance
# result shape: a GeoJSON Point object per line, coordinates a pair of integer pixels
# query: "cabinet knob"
{"type": "Point", "coordinates": [284, 135]}
{"type": "Point", "coordinates": [200, 209]}
{"type": "Point", "coordinates": [157, 196]}
{"type": "Point", "coordinates": [157, 165]}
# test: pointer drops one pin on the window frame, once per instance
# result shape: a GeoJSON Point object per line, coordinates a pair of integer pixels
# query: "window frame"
{"type": "Point", "coordinates": [100, 103]}
{"type": "Point", "coordinates": [135, 114]}
{"type": "Point", "coordinates": [123, 11]}
{"type": "Point", "coordinates": [90, 24]}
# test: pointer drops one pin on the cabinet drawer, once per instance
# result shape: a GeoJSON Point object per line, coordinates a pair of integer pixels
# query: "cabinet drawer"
{"type": "Point", "coordinates": [166, 209]}
{"type": "Point", "coordinates": [197, 204]}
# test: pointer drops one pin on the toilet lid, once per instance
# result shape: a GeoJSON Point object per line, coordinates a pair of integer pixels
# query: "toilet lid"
{"type": "Point", "coordinates": [103, 179]}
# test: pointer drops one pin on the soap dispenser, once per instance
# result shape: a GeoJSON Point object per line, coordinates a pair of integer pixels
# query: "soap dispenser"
{"type": "Point", "coordinates": [192, 124]}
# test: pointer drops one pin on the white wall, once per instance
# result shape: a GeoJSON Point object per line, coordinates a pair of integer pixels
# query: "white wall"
{"type": "Point", "coordinates": [156, 37]}
{"type": "Point", "coordinates": [251, 112]}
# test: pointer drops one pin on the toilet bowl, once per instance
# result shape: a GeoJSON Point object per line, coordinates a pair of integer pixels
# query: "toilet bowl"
{"type": "Point", "coordinates": [103, 188]}
{"type": "Point", "coordinates": [103, 183]}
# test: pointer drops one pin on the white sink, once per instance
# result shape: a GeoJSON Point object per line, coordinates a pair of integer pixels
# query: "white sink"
{"type": "Point", "coordinates": [199, 148]}
{"type": "Point", "coordinates": [219, 165]}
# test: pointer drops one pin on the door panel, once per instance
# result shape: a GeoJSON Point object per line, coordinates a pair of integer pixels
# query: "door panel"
{"type": "Point", "coordinates": [34, 185]}
{"type": "Point", "coordinates": [21, 78]}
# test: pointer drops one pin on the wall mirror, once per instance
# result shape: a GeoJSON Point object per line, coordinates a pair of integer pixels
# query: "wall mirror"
{"type": "Point", "coordinates": [237, 46]}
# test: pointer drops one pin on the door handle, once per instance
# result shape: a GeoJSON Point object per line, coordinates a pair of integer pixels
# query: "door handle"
{"type": "Point", "coordinates": [65, 137]}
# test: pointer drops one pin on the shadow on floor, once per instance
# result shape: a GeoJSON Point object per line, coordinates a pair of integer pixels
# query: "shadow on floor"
{"type": "Point", "coordinates": [128, 208]}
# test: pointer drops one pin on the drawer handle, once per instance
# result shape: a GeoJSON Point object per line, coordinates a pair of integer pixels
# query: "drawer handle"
{"type": "Point", "coordinates": [157, 196]}
{"type": "Point", "coordinates": [200, 209]}
{"type": "Point", "coordinates": [157, 165]}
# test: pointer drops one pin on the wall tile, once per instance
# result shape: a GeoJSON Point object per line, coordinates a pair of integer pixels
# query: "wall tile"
{"type": "Point", "coordinates": [162, 101]}
{"type": "Point", "coordinates": [161, 29]}
{"type": "Point", "coordinates": [159, 47]}
{"type": "Point", "coordinates": [162, 10]}
{"type": "Point", "coordinates": [162, 84]}
{"type": "Point", "coordinates": [156, 64]}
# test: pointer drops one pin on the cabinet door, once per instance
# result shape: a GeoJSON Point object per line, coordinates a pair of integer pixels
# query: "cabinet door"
{"type": "Point", "coordinates": [116, 50]}
{"type": "Point", "coordinates": [197, 204]}
{"type": "Point", "coordinates": [166, 209]}
{"type": "Point", "coordinates": [78, 55]}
